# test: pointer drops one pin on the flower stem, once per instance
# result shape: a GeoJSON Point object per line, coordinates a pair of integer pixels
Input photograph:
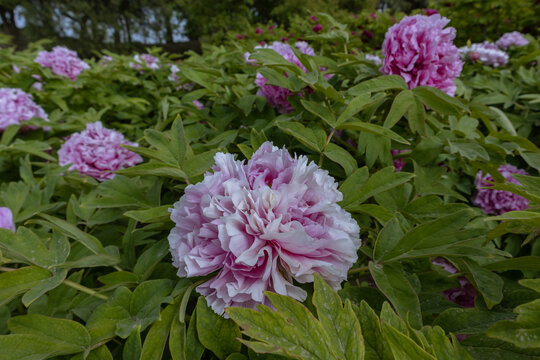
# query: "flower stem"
{"type": "Point", "coordinates": [358, 270]}
{"type": "Point", "coordinates": [84, 289]}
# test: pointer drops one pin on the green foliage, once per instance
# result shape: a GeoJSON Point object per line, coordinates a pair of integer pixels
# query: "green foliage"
{"type": "Point", "coordinates": [88, 273]}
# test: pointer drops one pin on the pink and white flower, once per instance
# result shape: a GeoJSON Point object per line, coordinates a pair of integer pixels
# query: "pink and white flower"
{"type": "Point", "coordinates": [62, 61]}
{"type": "Point", "coordinates": [145, 60]}
{"type": "Point", "coordinates": [486, 53]}
{"type": "Point", "coordinates": [97, 152]}
{"type": "Point", "coordinates": [16, 106]}
{"type": "Point", "coordinates": [262, 225]}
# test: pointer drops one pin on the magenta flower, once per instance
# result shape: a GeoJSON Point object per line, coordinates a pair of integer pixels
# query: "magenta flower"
{"type": "Point", "coordinates": [368, 34]}
{"type": "Point", "coordinates": [486, 53]}
{"type": "Point", "coordinates": [105, 59]}
{"type": "Point", "coordinates": [399, 164]}
{"type": "Point", "coordinates": [494, 201]}
{"type": "Point", "coordinates": [510, 39]}
{"type": "Point", "coordinates": [313, 18]}
{"type": "Point", "coordinates": [258, 31]}
{"type": "Point", "coordinates": [16, 106]}
{"type": "Point", "coordinates": [174, 70]}
{"type": "Point", "coordinates": [373, 16]}
{"type": "Point", "coordinates": [317, 28]}
{"type": "Point", "coordinates": [262, 225]}
{"type": "Point", "coordinates": [276, 95]}
{"type": "Point", "coordinates": [97, 152]}
{"type": "Point", "coordinates": [239, 36]}
{"type": "Point", "coordinates": [6, 219]}
{"type": "Point", "coordinates": [430, 12]}
{"type": "Point", "coordinates": [145, 60]}
{"type": "Point", "coordinates": [464, 294]}
{"type": "Point", "coordinates": [421, 51]}
{"type": "Point", "coordinates": [62, 61]}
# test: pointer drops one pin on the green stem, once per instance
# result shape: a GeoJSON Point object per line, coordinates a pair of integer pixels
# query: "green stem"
{"type": "Point", "coordinates": [84, 289]}
{"type": "Point", "coordinates": [358, 270]}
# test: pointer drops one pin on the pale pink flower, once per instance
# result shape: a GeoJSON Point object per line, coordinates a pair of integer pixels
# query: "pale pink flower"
{"type": "Point", "coordinates": [198, 104]}
{"type": "Point", "coordinates": [174, 71]}
{"type": "Point", "coordinates": [510, 39]}
{"type": "Point", "coordinates": [421, 51]}
{"type": "Point", "coordinates": [486, 53]}
{"type": "Point", "coordinates": [262, 225]}
{"type": "Point", "coordinates": [494, 201]}
{"type": "Point", "coordinates": [6, 219]}
{"type": "Point", "coordinates": [97, 152]}
{"type": "Point", "coordinates": [62, 61]}
{"type": "Point", "coordinates": [374, 59]}
{"type": "Point", "coordinates": [145, 60]}
{"type": "Point", "coordinates": [464, 294]}
{"type": "Point", "coordinates": [16, 106]}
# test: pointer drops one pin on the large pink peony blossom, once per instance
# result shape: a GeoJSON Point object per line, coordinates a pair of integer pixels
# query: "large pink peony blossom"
{"type": "Point", "coordinates": [147, 60]}
{"type": "Point", "coordinates": [261, 225]}
{"type": "Point", "coordinates": [510, 39]}
{"type": "Point", "coordinates": [494, 201]}
{"type": "Point", "coordinates": [486, 53]}
{"type": "Point", "coordinates": [6, 219]}
{"type": "Point", "coordinates": [276, 95]}
{"type": "Point", "coordinates": [97, 152]}
{"type": "Point", "coordinates": [17, 106]}
{"type": "Point", "coordinates": [62, 61]}
{"type": "Point", "coordinates": [421, 51]}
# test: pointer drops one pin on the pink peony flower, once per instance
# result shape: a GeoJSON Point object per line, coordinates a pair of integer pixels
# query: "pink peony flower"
{"type": "Point", "coordinates": [284, 39]}
{"type": "Point", "coordinates": [368, 34]}
{"type": "Point", "coordinates": [97, 152]}
{"type": "Point", "coordinates": [105, 59]}
{"type": "Point", "coordinates": [373, 16]}
{"type": "Point", "coordinates": [145, 60]}
{"type": "Point", "coordinates": [258, 31]}
{"type": "Point", "coordinates": [317, 28]}
{"type": "Point", "coordinates": [62, 61]}
{"type": "Point", "coordinates": [464, 294]}
{"type": "Point", "coordinates": [16, 69]}
{"type": "Point", "coordinates": [276, 95]}
{"type": "Point", "coordinates": [198, 104]}
{"type": "Point", "coordinates": [239, 36]}
{"type": "Point", "coordinates": [510, 39]}
{"type": "Point", "coordinates": [16, 106]}
{"type": "Point", "coordinates": [6, 219]}
{"type": "Point", "coordinates": [313, 18]}
{"type": "Point", "coordinates": [262, 225]}
{"type": "Point", "coordinates": [486, 53]}
{"type": "Point", "coordinates": [421, 51]}
{"type": "Point", "coordinates": [399, 164]}
{"type": "Point", "coordinates": [262, 43]}
{"type": "Point", "coordinates": [374, 59]}
{"type": "Point", "coordinates": [499, 201]}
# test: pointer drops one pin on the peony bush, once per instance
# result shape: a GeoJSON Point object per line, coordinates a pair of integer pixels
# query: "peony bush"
{"type": "Point", "coordinates": [298, 201]}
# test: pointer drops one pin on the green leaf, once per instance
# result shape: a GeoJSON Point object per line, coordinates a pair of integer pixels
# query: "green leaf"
{"type": "Point", "coordinates": [340, 323]}
{"type": "Point", "coordinates": [488, 283]}
{"type": "Point", "coordinates": [353, 108]}
{"type": "Point", "coordinates": [156, 339]}
{"type": "Point", "coordinates": [320, 111]}
{"type": "Point", "coordinates": [200, 163]}
{"type": "Point", "coordinates": [382, 180]}
{"type": "Point", "coordinates": [388, 238]}
{"type": "Point", "coordinates": [154, 215]}
{"type": "Point", "coordinates": [468, 149]}
{"type": "Point", "coordinates": [342, 157]}
{"type": "Point", "coordinates": [44, 286]}
{"type": "Point", "coordinates": [417, 117]}
{"type": "Point", "coordinates": [154, 168]}
{"type": "Point", "coordinates": [13, 283]}
{"type": "Point", "coordinates": [291, 330]}
{"type": "Point", "coordinates": [178, 146]}
{"type": "Point", "coordinates": [403, 347]}
{"type": "Point", "coordinates": [381, 83]}
{"type": "Point", "coordinates": [150, 258]}
{"type": "Point", "coordinates": [523, 263]}
{"type": "Point", "coordinates": [66, 333]}
{"type": "Point", "coordinates": [305, 135]}
{"type": "Point", "coordinates": [503, 121]}
{"type": "Point", "coordinates": [374, 129]}
{"type": "Point", "coordinates": [215, 332]}
{"type": "Point", "coordinates": [523, 332]}
{"type": "Point", "coordinates": [438, 232]}
{"type": "Point", "coordinates": [132, 347]}
{"type": "Point", "coordinates": [70, 230]}
{"type": "Point", "coordinates": [531, 284]}
{"type": "Point", "coordinates": [32, 347]}
{"type": "Point", "coordinates": [350, 187]}
{"type": "Point", "coordinates": [438, 100]}
{"type": "Point", "coordinates": [391, 281]}
{"type": "Point", "coordinates": [400, 105]}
